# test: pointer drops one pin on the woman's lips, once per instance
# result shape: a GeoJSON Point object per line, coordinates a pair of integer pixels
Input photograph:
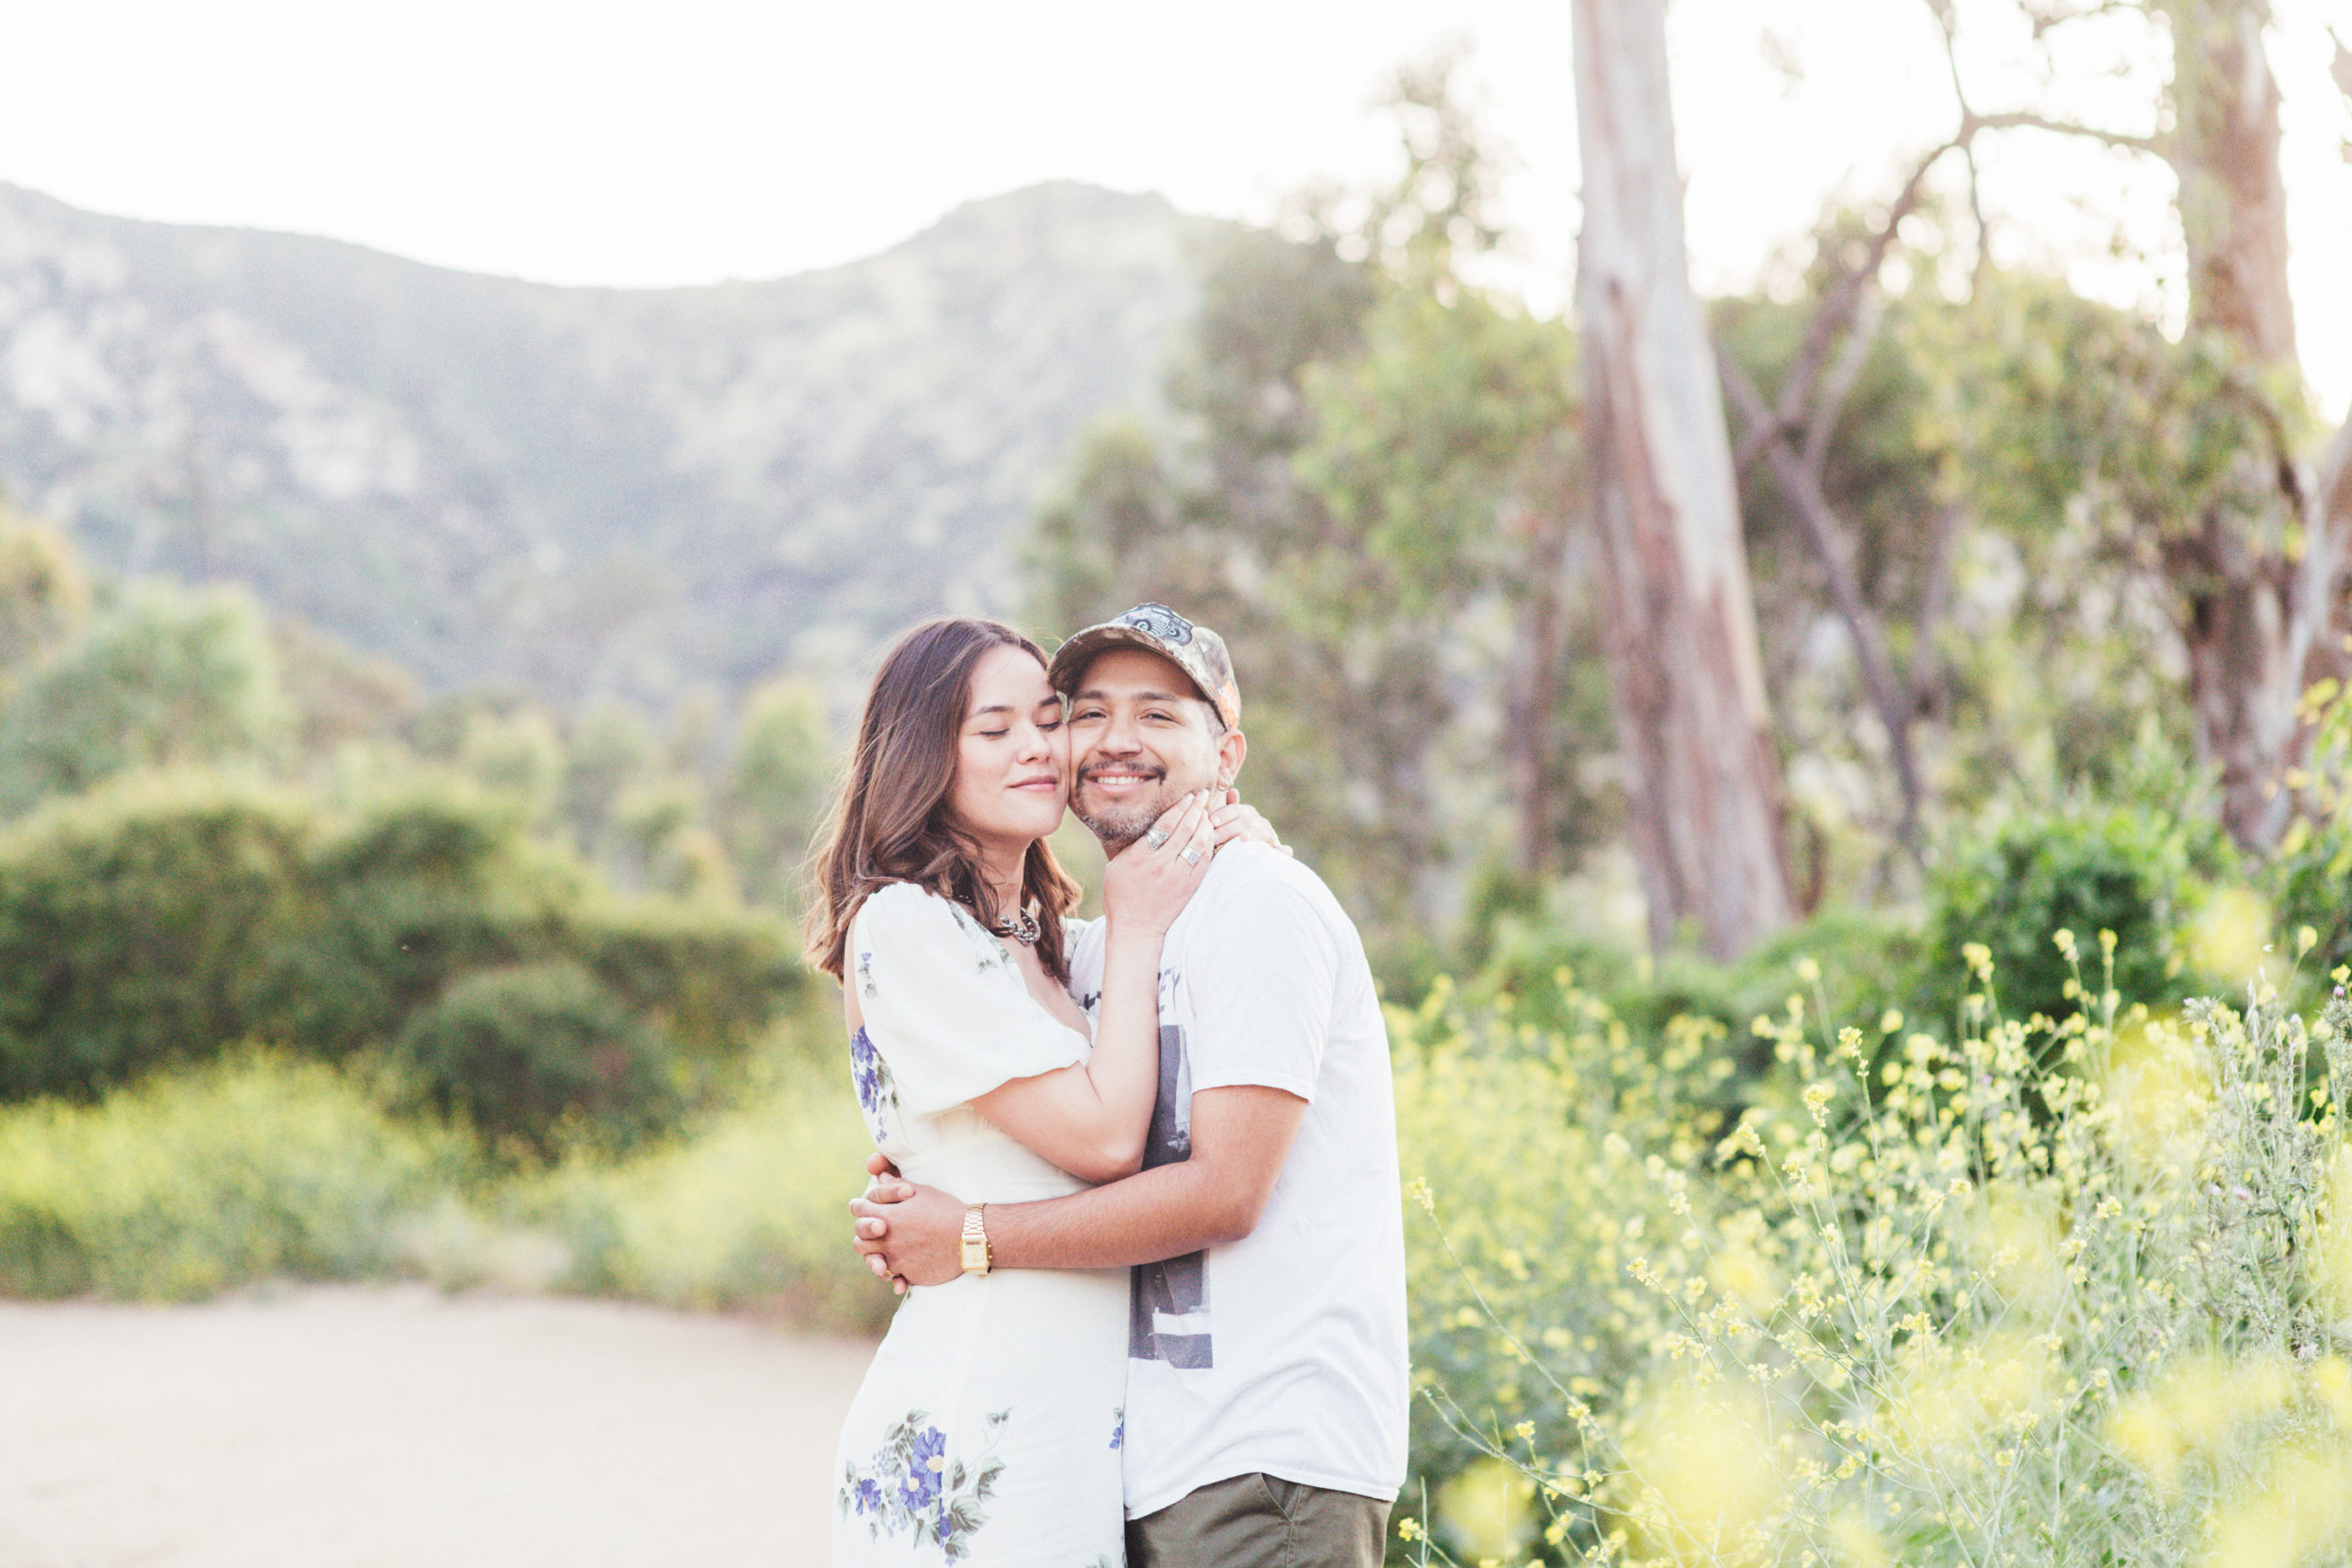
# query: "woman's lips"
{"type": "Point", "coordinates": [1040, 785]}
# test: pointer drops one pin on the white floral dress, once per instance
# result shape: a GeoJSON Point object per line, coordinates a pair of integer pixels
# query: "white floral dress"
{"type": "Point", "coordinates": [988, 1429]}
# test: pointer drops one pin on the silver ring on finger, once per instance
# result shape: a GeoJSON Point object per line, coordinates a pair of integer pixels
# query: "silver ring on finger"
{"type": "Point", "coordinates": [1154, 836]}
{"type": "Point", "coordinates": [1192, 856]}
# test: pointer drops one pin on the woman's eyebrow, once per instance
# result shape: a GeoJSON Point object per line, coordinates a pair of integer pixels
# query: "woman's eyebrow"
{"type": "Point", "coordinates": [1010, 708]}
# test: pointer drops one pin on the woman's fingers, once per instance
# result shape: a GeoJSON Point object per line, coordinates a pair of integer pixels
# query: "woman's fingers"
{"type": "Point", "coordinates": [1171, 822]}
{"type": "Point", "coordinates": [1194, 837]}
{"type": "Point", "coordinates": [1192, 811]}
{"type": "Point", "coordinates": [1150, 882]}
{"type": "Point", "coordinates": [1195, 841]}
{"type": "Point", "coordinates": [1233, 821]}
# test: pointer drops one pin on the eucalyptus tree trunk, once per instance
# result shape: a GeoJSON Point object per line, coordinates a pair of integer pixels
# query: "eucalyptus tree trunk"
{"type": "Point", "coordinates": [1701, 776]}
{"type": "Point", "coordinates": [2255, 612]}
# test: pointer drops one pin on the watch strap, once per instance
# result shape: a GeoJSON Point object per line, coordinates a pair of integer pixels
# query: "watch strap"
{"type": "Point", "coordinates": [975, 1241]}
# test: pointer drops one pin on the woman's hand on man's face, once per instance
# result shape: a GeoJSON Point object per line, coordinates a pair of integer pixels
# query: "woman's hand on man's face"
{"type": "Point", "coordinates": [1148, 882]}
{"type": "Point", "coordinates": [1229, 819]}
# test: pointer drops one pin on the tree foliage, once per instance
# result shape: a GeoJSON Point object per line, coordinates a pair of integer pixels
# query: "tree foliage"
{"type": "Point", "coordinates": [163, 677]}
{"type": "Point", "coordinates": [1370, 502]}
{"type": "Point", "coordinates": [776, 787]}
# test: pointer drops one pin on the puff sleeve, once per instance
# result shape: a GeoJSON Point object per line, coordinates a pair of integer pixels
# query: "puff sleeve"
{"type": "Point", "coordinates": [942, 1004]}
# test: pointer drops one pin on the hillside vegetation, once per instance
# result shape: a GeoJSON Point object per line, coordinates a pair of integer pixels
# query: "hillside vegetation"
{"type": "Point", "coordinates": [582, 492]}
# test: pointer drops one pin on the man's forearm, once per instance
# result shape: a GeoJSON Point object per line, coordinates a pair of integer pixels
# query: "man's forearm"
{"type": "Point", "coordinates": [1166, 1212]}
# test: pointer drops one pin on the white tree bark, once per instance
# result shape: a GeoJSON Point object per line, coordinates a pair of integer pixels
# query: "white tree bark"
{"type": "Point", "coordinates": [1702, 778]}
{"type": "Point", "coordinates": [2258, 613]}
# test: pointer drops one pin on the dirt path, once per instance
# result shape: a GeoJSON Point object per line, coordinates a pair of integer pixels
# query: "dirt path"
{"type": "Point", "coordinates": [397, 1428]}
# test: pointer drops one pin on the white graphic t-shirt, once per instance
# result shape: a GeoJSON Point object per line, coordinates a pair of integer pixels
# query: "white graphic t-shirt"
{"type": "Point", "coordinates": [1285, 1351]}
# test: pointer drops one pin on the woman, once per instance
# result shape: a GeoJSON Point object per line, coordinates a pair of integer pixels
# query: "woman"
{"type": "Point", "coordinates": [988, 1424]}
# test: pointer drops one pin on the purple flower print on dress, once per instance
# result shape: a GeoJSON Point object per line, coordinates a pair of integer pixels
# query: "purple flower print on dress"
{"type": "Point", "coordinates": [910, 1485]}
{"type": "Point", "coordinates": [930, 1460]}
{"type": "Point", "coordinates": [878, 1093]}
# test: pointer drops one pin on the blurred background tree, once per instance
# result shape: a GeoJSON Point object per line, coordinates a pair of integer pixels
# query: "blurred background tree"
{"type": "Point", "coordinates": [776, 788]}
{"type": "Point", "coordinates": [1996, 533]}
{"type": "Point", "coordinates": [164, 676]}
{"type": "Point", "coordinates": [1694, 736]}
{"type": "Point", "coordinates": [1369, 430]}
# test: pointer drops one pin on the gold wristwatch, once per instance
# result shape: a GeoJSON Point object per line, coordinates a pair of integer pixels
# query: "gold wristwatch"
{"type": "Point", "coordinates": [976, 1240]}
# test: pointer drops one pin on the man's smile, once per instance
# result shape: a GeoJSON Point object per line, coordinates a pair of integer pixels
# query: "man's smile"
{"type": "Point", "coordinates": [1123, 778]}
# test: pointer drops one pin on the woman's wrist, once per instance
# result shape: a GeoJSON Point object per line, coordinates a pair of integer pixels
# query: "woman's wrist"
{"type": "Point", "coordinates": [1135, 928]}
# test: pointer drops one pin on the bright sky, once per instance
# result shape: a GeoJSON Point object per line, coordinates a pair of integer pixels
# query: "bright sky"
{"type": "Point", "coordinates": [586, 142]}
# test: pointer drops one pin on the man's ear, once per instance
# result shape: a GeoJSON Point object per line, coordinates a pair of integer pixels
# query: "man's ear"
{"type": "Point", "coordinates": [1232, 748]}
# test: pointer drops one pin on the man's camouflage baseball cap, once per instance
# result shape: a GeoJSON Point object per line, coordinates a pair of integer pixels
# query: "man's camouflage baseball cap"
{"type": "Point", "coordinates": [1196, 650]}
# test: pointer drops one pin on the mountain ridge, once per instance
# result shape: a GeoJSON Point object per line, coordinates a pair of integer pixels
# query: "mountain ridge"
{"type": "Point", "coordinates": [579, 490]}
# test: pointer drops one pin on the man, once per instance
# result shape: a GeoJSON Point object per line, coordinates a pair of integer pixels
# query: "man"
{"type": "Point", "coordinates": [1266, 1373]}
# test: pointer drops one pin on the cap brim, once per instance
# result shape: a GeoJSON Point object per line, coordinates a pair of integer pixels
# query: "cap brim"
{"type": "Point", "coordinates": [1070, 659]}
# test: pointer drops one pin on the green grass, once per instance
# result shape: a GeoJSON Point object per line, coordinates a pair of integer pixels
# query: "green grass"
{"type": "Point", "coordinates": [261, 1167]}
{"type": "Point", "coordinates": [195, 1181]}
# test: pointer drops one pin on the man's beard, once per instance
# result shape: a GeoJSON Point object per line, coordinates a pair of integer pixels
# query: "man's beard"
{"type": "Point", "coordinates": [1121, 823]}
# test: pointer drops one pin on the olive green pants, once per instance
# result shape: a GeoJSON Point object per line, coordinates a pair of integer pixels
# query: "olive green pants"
{"type": "Point", "coordinates": [1261, 1521]}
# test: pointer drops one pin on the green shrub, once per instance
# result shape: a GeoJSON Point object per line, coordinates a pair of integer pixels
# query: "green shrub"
{"type": "Point", "coordinates": [2312, 882]}
{"type": "Point", "coordinates": [2082, 870]}
{"type": "Point", "coordinates": [1860, 960]}
{"type": "Point", "coordinates": [713, 977]}
{"type": "Point", "coordinates": [527, 1053]}
{"type": "Point", "coordinates": [129, 921]}
{"type": "Point", "coordinates": [162, 917]}
{"type": "Point", "coordinates": [203, 1179]}
{"type": "Point", "coordinates": [751, 1211]}
{"type": "Point", "coordinates": [424, 887]}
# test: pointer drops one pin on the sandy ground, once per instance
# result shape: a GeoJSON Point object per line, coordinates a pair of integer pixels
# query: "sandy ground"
{"type": "Point", "coordinates": [399, 1429]}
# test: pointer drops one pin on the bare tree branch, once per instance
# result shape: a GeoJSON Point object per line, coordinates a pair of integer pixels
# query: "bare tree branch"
{"type": "Point", "coordinates": [1950, 24]}
{"type": "Point", "coordinates": [1795, 432]}
{"type": "Point", "coordinates": [1838, 306]}
{"type": "Point", "coordinates": [1832, 545]}
{"type": "Point", "coordinates": [2026, 119]}
{"type": "Point", "coordinates": [2045, 16]}
{"type": "Point", "coordinates": [1934, 594]}
{"type": "Point", "coordinates": [1821, 420]}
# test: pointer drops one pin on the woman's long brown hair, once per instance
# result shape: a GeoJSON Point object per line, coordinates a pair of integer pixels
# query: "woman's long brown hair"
{"type": "Point", "coordinates": [891, 821]}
